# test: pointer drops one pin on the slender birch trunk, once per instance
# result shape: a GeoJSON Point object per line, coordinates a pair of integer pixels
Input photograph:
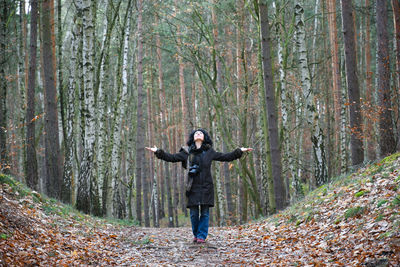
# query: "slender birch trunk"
{"type": "Point", "coordinates": [220, 90]}
{"type": "Point", "coordinates": [311, 112]}
{"type": "Point", "coordinates": [86, 197]}
{"type": "Point", "coordinates": [153, 171]}
{"type": "Point", "coordinates": [119, 116]}
{"type": "Point", "coordinates": [104, 177]}
{"type": "Point", "coordinates": [68, 175]}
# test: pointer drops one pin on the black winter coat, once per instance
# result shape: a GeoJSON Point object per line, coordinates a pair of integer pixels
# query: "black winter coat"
{"type": "Point", "coordinates": [202, 191]}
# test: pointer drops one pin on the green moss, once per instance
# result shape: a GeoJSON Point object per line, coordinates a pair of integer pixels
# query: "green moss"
{"type": "Point", "coordinates": [3, 236]}
{"type": "Point", "coordinates": [379, 218]}
{"type": "Point", "coordinates": [361, 193]}
{"type": "Point", "coordinates": [353, 212]}
{"type": "Point", "coordinates": [381, 202]}
{"type": "Point", "coordinates": [390, 158]}
{"type": "Point", "coordinates": [396, 201]}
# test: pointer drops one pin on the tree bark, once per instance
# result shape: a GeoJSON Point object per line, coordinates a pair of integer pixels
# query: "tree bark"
{"type": "Point", "coordinates": [3, 86]}
{"type": "Point", "coordinates": [52, 144]}
{"type": "Point", "coordinates": [119, 116]}
{"type": "Point", "coordinates": [396, 16]}
{"type": "Point", "coordinates": [87, 198]}
{"type": "Point", "coordinates": [31, 162]}
{"type": "Point", "coordinates": [369, 126]}
{"type": "Point", "coordinates": [387, 142]}
{"type": "Point", "coordinates": [357, 150]}
{"type": "Point", "coordinates": [279, 188]}
{"type": "Point", "coordinates": [140, 121]}
{"type": "Point", "coordinates": [336, 79]}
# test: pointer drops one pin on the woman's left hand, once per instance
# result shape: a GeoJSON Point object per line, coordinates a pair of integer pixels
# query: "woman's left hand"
{"type": "Point", "coordinates": [245, 149]}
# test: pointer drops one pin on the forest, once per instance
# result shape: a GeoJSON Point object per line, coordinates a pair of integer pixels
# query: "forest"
{"type": "Point", "coordinates": [313, 86]}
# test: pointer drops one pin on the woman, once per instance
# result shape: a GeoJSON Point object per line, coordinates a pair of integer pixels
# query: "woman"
{"type": "Point", "coordinates": [200, 197]}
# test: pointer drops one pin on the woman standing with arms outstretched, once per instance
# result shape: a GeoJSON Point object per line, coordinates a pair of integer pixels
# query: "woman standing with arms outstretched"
{"type": "Point", "coordinates": [200, 197]}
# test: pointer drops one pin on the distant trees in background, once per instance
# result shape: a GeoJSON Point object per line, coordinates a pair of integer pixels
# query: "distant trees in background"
{"type": "Point", "coordinates": [311, 85]}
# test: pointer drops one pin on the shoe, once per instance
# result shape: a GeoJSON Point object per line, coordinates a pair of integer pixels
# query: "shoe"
{"type": "Point", "coordinates": [195, 240]}
{"type": "Point", "coordinates": [201, 240]}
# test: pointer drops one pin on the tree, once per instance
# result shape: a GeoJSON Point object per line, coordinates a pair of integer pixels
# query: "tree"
{"type": "Point", "coordinates": [140, 120]}
{"type": "Point", "coordinates": [369, 127]}
{"type": "Point", "coordinates": [357, 150]}
{"type": "Point", "coordinates": [279, 188]}
{"type": "Point", "coordinates": [52, 144]}
{"type": "Point", "coordinates": [86, 197]}
{"type": "Point", "coordinates": [4, 8]}
{"type": "Point", "coordinates": [336, 80]}
{"type": "Point", "coordinates": [119, 114]}
{"type": "Point", "coordinates": [310, 101]}
{"type": "Point", "coordinates": [387, 142]}
{"type": "Point", "coordinates": [31, 162]}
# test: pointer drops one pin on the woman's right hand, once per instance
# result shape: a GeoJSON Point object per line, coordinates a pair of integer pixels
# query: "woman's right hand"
{"type": "Point", "coordinates": [152, 149]}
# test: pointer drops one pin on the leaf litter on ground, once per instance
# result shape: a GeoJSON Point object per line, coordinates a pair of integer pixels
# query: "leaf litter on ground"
{"type": "Point", "coordinates": [335, 225]}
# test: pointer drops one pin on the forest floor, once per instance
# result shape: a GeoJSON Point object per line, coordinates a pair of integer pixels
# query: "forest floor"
{"type": "Point", "coordinates": [352, 221]}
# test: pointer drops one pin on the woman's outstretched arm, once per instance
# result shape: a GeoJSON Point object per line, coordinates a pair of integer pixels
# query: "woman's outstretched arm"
{"type": "Point", "coordinates": [235, 154]}
{"type": "Point", "coordinates": [161, 154]}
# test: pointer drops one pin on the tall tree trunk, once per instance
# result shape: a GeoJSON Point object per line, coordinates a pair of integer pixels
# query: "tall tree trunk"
{"type": "Point", "coordinates": [22, 89]}
{"type": "Point", "coordinates": [387, 142]}
{"type": "Point", "coordinates": [357, 150]}
{"type": "Point", "coordinates": [396, 17]}
{"type": "Point", "coordinates": [140, 121]}
{"type": "Point", "coordinates": [119, 115]}
{"type": "Point", "coordinates": [162, 117]}
{"type": "Point", "coordinates": [31, 162]}
{"type": "Point", "coordinates": [279, 188]}
{"type": "Point", "coordinates": [59, 71]}
{"type": "Point", "coordinates": [311, 112]}
{"type": "Point", "coordinates": [52, 144]}
{"type": "Point", "coordinates": [87, 198]}
{"type": "Point", "coordinates": [152, 170]}
{"type": "Point", "coordinates": [336, 79]}
{"type": "Point", "coordinates": [3, 85]}
{"type": "Point", "coordinates": [369, 126]}
{"type": "Point", "coordinates": [69, 175]}
{"type": "Point", "coordinates": [104, 178]}
{"type": "Point", "coordinates": [185, 115]}
{"type": "Point", "coordinates": [220, 195]}
{"type": "Point", "coordinates": [167, 134]}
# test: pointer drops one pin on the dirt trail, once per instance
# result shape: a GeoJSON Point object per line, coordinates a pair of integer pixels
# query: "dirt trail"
{"type": "Point", "coordinates": [173, 246]}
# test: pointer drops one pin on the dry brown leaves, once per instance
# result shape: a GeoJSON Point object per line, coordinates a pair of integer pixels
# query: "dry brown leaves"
{"type": "Point", "coordinates": [353, 224]}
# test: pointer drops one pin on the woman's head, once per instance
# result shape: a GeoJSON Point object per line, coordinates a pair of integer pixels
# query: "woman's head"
{"type": "Point", "coordinates": [199, 134]}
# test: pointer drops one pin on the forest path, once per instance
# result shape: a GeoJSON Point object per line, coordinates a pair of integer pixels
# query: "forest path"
{"type": "Point", "coordinates": [354, 221]}
{"type": "Point", "coordinates": [174, 246]}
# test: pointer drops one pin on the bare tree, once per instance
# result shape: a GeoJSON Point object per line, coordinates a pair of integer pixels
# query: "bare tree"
{"type": "Point", "coordinates": [357, 150]}
{"type": "Point", "coordinates": [279, 188]}
{"type": "Point", "coordinates": [387, 142]}
{"type": "Point", "coordinates": [31, 162]}
{"type": "Point", "coordinates": [52, 144]}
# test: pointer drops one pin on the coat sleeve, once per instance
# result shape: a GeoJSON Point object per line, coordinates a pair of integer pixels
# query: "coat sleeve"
{"type": "Point", "coordinates": [235, 154]}
{"type": "Point", "coordinates": [181, 156]}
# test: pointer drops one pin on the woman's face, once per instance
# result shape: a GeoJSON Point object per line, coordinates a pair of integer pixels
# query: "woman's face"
{"type": "Point", "coordinates": [198, 136]}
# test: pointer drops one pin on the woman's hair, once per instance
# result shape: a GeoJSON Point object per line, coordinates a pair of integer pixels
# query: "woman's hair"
{"type": "Point", "coordinates": [207, 138]}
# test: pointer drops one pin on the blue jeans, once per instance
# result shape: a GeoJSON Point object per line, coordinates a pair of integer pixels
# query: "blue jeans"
{"type": "Point", "coordinates": [200, 221]}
